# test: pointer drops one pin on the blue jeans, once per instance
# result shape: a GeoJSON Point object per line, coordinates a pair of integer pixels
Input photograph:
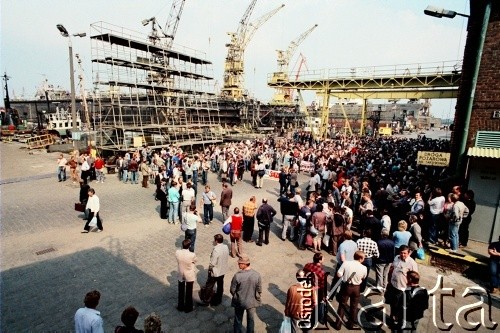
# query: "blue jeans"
{"type": "Point", "coordinates": [453, 235]}
{"type": "Point", "coordinates": [99, 175]}
{"type": "Point", "coordinates": [238, 320]}
{"type": "Point", "coordinates": [208, 213]}
{"type": "Point", "coordinates": [194, 178]}
{"type": "Point", "coordinates": [433, 228]}
{"type": "Point", "coordinates": [190, 234]}
{"type": "Point", "coordinates": [125, 175]}
{"type": "Point", "coordinates": [368, 264]}
{"type": "Point", "coordinates": [133, 177]}
{"type": "Point", "coordinates": [61, 173]}
{"type": "Point", "coordinates": [495, 272]}
{"type": "Point", "coordinates": [173, 212]}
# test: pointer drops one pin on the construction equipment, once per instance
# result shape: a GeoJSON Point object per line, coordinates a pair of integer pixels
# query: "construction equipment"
{"type": "Point", "coordinates": [302, 64]}
{"type": "Point", "coordinates": [282, 96]}
{"type": "Point", "coordinates": [170, 27]}
{"type": "Point", "coordinates": [234, 64]}
{"type": "Point", "coordinates": [40, 141]}
{"type": "Point", "coordinates": [173, 21]}
{"type": "Point", "coordinates": [83, 92]}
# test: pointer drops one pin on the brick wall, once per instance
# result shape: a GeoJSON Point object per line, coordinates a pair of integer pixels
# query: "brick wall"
{"type": "Point", "coordinates": [487, 95]}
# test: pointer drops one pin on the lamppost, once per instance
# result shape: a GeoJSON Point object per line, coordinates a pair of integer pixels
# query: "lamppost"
{"type": "Point", "coordinates": [439, 12]}
{"type": "Point", "coordinates": [65, 33]}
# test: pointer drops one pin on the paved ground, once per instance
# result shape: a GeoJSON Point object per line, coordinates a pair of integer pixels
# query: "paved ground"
{"type": "Point", "coordinates": [132, 262]}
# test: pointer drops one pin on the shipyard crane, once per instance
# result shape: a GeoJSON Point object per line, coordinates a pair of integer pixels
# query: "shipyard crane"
{"type": "Point", "coordinates": [281, 95]}
{"type": "Point", "coordinates": [302, 64]}
{"type": "Point", "coordinates": [83, 93]}
{"type": "Point", "coordinates": [168, 33]}
{"type": "Point", "coordinates": [173, 21]}
{"type": "Point", "coordinates": [234, 64]}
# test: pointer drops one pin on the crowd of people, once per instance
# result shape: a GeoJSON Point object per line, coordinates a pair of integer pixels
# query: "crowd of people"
{"type": "Point", "coordinates": [367, 189]}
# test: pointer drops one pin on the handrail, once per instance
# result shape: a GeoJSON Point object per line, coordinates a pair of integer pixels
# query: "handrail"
{"type": "Point", "coordinates": [383, 71]}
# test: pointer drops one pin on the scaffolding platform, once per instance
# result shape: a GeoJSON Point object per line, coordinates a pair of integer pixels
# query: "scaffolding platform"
{"type": "Point", "coordinates": [151, 94]}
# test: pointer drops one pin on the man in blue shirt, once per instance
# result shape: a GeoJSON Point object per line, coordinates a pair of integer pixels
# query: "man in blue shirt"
{"type": "Point", "coordinates": [88, 319]}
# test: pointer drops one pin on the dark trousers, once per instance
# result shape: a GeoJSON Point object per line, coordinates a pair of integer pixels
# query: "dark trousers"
{"type": "Point", "coordinates": [164, 209]}
{"type": "Point", "coordinates": [145, 179]}
{"type": "Point", "coordinates": [263, 231]}
{"type": "Point", "coordinates": [463, 231]}
{"type": "Point", "coordinates": [248, 225]}
{"type": "Point", "coordinates": [191, 235]}
{"type": "Point", "coordinates": [84, 176]}
{"type": "Point", "coordinates": [185, 300]}
{"type": "Point", "coordinates": [240, 173]}
{"type": "Point", "coordinates": [208, 213]}
{"type": "Point", "coordinates": [89, 218]}
{"type": "Point", "coordinates": [283, 188]}
{"type": "Point", "coordinates": [211, 281]}
{"type": "Point", "coordinates": [352, 293]}
{"type": "Point", "coordinates": [254, 179]}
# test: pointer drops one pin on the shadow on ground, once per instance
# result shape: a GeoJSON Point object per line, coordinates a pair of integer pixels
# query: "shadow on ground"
{"type": "Point", "coordinates": [44, 296]}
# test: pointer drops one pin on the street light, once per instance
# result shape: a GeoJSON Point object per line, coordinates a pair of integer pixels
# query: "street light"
{"type": "Point", "coordinates": [65, 33]}
{"type": "Point", "coordinates": [441, 12]}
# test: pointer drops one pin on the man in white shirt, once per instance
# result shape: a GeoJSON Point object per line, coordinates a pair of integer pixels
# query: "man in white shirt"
{"type": "Point", "coordinates": [195, 167]}
{"type": "Point", "coordinates": [216, 270]}
{"type": "Point", "coordinates": [93, 207]}
{"type": "Point", "coordinates": [61, 168]}
{"type": "Point", "coordinates": [352, 274]}
{"type": "Point", "coordinates": [402, 264]}
{"type": "Point", "coordinates": [436, 207]}
{"type": "Point", "coordinates": [88, 319]}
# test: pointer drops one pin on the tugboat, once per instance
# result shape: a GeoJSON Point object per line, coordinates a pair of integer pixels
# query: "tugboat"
{"type": "Point", "coordinates": [60, 123]}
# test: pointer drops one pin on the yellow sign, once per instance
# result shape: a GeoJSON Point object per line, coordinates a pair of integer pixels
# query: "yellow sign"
{"type": "Point", "coordinates": [433, 158]}
{"type": "Point", "coordinates": [385, 131]}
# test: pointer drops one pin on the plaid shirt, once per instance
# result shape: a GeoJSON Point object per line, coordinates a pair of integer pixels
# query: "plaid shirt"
{"type": "Point", "coordinates": [249, 209]}
{"type": "Point", "coordinates": [317, 269]}
{"type": "Point", "coordinates": [368, 246]}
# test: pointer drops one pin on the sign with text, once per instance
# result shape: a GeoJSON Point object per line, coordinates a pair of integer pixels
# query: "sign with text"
{"type": "Point", "coordinates": [306, 167]}
{"type": "Point", "coordinates": [433, 158]}
{"type": "Point", "coordinates": [272, 175]}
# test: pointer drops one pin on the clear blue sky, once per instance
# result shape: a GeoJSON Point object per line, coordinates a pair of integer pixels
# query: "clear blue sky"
{"type": "Point", "coordinates": [350, 33]}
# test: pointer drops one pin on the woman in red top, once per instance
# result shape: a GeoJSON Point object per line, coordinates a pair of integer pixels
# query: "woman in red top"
{"type": "Point", "coordinates": [236, 221]}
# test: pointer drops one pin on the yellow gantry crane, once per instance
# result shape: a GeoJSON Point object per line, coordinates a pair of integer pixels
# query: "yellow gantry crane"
{"type": "Point", "coordinates": [283, 96]}
{"type": "Point", "coordinates": [234, 64]}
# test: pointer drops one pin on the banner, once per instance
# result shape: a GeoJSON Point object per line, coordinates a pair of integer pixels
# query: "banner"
{"type": "Point", "coordinates": [272, 175]}
{"type": "Point", "coordinates": [433, 158]}
{"type": "Point", "coordinates": [306, 166]}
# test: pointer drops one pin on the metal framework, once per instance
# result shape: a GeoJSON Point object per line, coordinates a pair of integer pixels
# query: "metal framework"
{"type": "Point", "coordinates": [150, 94]}
{"type": "Point", "coordinates": [282, 95]}
{"type": "Point", "coordinates": [234, 68]}
{"type": "Point", "coordinates": [412, 81]}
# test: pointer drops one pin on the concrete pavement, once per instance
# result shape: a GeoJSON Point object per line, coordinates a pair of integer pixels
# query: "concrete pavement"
{"type": "Point", "coordinates": [132, 262]}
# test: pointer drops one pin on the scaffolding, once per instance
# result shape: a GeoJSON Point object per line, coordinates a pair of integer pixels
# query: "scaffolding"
{"type": "Point", "coordinates": [148, 93]}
